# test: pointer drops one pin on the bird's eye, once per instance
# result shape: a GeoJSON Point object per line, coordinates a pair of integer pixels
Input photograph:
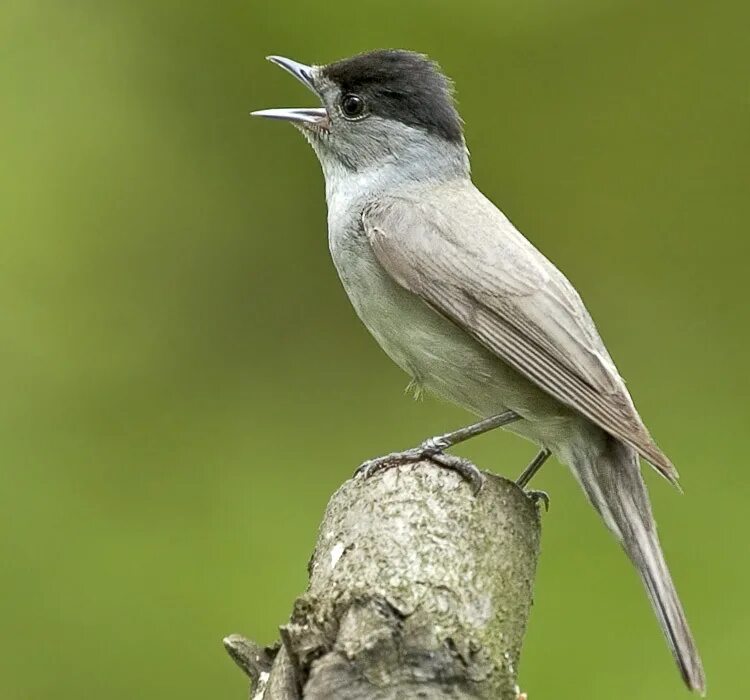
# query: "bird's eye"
{"type": "Point", "coordinates": [352, 106]}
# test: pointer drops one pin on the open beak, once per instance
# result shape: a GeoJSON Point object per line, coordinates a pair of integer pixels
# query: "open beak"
{"type": "Point", "coordinates": [316, 116]}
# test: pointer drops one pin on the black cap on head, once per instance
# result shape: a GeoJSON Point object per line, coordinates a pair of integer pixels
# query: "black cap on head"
{"type": "Point", "coordinates": [400, 85]}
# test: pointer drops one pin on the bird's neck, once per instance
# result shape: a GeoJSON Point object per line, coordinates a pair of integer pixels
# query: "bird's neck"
{"type": "Point", "coordinates": [416, 165]}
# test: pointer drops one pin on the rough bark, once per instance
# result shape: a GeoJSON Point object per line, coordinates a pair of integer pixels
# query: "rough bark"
{"type": "Point", "coordinates": [418, 589]}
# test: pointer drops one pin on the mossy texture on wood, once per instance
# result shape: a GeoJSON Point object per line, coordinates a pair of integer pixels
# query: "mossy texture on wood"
{"type": "Point", "coordinates": [418, 589]}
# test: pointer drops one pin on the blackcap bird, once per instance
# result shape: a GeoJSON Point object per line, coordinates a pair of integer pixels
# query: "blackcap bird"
{"type": "Point", "coordinates": [462, 302]}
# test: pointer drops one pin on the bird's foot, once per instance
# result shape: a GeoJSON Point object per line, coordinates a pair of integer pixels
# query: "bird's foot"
{"type": "Point", "coordinates": [468, 470]}
{"type": "Point", "coordinates": [431, 450]}
{"type": "Point", "coordinates": [394, 459]}
{"type": "Point", "coordinates": [537, 496]}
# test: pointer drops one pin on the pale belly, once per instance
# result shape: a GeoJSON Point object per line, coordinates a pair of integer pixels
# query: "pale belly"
{"type": "Point", "coordinates": [437, 354]}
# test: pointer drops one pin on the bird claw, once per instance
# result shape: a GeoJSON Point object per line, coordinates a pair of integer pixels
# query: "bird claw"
{"type": "Point", "coordinates": [394, 459]}
{"type": "Point", "coordinates": [429, 450]}
{"type": "Point", "coordinates": [537, 496]}
{"type": "Point", "coordinates": [466, 469]}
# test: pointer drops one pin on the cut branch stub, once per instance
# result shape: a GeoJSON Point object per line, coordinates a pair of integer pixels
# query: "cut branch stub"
{"type": "Point", "coordinates": [417, 588]}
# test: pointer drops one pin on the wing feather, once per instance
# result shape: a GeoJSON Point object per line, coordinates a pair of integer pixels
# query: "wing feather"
{"type": "Point", "coordinates": [491, 281]}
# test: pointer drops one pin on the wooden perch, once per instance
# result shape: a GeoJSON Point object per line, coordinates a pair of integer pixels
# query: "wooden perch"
{"type": "Point", "coordinates": [418, 589]}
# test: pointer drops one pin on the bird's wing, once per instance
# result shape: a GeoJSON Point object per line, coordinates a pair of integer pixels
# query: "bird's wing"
{"type": "Point", "coordinates": [452, 247]}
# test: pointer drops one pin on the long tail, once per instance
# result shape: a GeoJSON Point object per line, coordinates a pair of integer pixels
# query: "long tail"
{"type": "Point", "coordinates": [612, 481]}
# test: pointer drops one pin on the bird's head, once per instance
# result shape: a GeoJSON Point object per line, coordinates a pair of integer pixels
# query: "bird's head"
{"type": "Point", "coordinates": [384, 106]}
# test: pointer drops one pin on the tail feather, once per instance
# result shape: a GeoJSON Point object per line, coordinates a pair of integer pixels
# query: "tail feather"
{"type": "Point", "coordinates": [612, 481]}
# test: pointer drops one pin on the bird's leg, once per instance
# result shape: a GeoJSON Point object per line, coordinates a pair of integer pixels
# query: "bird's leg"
{"type": "Point", "coordinates": [434, 450]}
{"type": "Point", "coordinates": [527, 474]}
{"type": "Point", "coordinates": [439, 443]}
{"type": "Point", "coordinates": [534, 466]}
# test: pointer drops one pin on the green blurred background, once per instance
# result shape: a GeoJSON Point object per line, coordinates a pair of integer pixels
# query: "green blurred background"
{"type": "Point", "coordinates": [183, 381]}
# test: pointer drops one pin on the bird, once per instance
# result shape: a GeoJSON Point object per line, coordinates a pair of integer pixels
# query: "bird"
{"type": "Point", "coordinates": [468, 307]}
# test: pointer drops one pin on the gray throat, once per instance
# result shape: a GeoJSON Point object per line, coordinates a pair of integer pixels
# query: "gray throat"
{"type": "Point", "coordinates": [419, 159]}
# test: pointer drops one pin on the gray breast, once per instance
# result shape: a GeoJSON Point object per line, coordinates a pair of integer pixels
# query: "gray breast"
{"type": "Point", "coordinates": [432, 350]}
